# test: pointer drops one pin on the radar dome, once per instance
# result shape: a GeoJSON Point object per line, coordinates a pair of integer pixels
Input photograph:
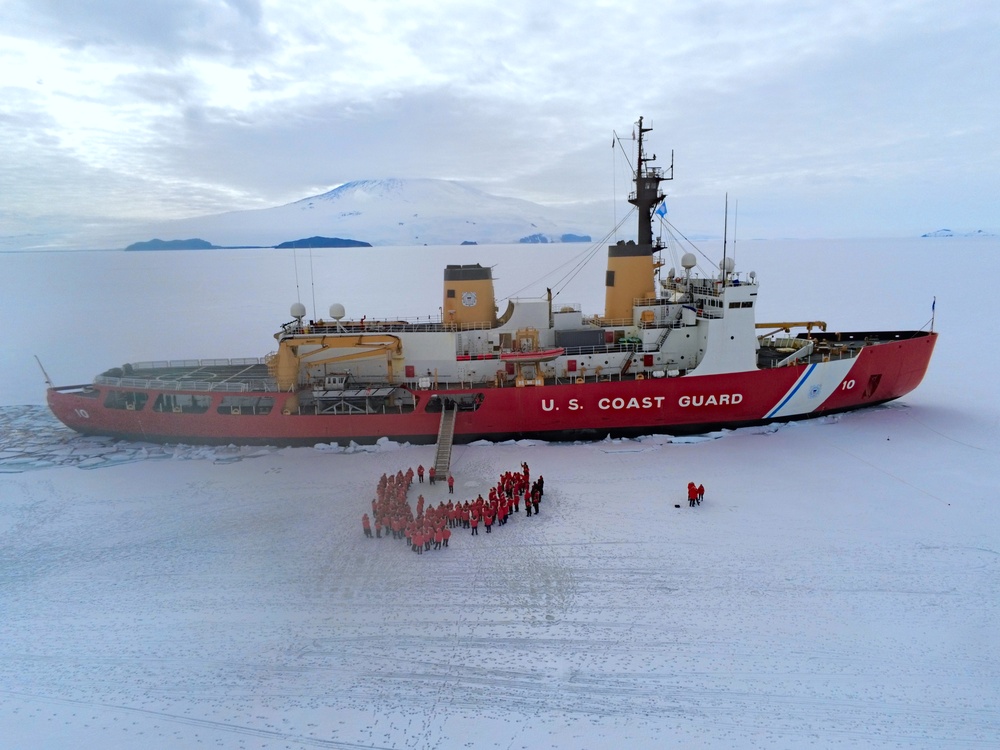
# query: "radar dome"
{"type": "Point", "coordinates": [688, 261]}
{"type": "Point", "coordinates": [727, 264]}
{"type": "Point", "coordinates": [298, 310]}
{"type": "Point", "coordinates": [337, 311]}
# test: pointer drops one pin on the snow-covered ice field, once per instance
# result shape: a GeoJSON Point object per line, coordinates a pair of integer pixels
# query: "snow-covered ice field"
{"type": "Point", "coordinates": [838, 588]}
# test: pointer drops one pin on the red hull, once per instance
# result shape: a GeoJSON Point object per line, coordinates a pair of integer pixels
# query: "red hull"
{"type": "Point", "coordinates": [685, 404]}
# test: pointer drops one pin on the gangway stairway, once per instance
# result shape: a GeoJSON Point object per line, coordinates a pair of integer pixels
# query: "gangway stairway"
{"type": "Point", "coordinates": [446, 436]}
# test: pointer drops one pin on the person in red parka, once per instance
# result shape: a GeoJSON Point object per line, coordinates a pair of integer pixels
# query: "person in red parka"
{"type": "Point", "coordinates": [366, 524]}
{"type": "Point", "coordinates": [701, 493]}
{"type": "Point", "coordinates": [420, 474]}
{"type": "Point", "coordinates": [692, 494]}
{"type": "Point", "coordinates": [430, 475]}
{"type": "Point", "coordinates": [474, 523]}
{"type": "Point", "coordinates": [451, 485]}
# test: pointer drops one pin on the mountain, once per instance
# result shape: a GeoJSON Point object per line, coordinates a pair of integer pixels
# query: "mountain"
{"type": "Point", "coordinates": [387, 212]}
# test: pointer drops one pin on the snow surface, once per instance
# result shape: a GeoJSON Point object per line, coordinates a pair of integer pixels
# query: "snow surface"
{"type": "Point", "coordinates": [839, 587]}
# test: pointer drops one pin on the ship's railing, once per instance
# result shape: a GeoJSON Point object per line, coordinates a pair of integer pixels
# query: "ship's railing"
{"type": "Point", "coordinates": [663, 302]}
{"type": "Point", "coordinates": [699, 285]}
{"type": "Point", "coordinates": [599, 322]}
{"type": "Point", "coordinates": [822, 351]}
{"type": "Point", "coordinates": [602, 322]}
{"type": "Point", "coordinates": [428, 325]}
{"type": "Point", "coordinates": [579, 351]}
{"type": "Point", "coordinates": [161, 364]}
{"type": "Point", "coordinates": [226, 385]}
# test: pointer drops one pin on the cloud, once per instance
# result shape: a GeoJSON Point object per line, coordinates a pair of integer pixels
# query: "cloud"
{"type": "Point", "coordinates": [164, 29]}
{"type": "Point", "coordinates": [203, 105]}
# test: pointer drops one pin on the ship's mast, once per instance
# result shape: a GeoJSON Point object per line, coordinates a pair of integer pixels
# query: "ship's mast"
{"type": "Point", "coordinates": [631, 266]}
{"type": "Point", "coordinates": [647, 195]}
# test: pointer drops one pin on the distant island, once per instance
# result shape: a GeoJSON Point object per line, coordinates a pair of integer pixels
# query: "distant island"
{"type": "Point", "coordinates": [196, 243]}
{"type": "Point", "coordinates": [322, 242]}
{"type": "Point", "coordinates": [544, 238]}
{"type": "Point", "coordinates": [950, 233]}
{"type": "Point", "coordinates": [191, 244]}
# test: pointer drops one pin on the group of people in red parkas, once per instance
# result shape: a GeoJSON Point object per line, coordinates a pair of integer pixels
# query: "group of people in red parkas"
{"type": "Point", "coordinates": [430, 527]}
{"type": "Point", "coordinates": [695, 494]}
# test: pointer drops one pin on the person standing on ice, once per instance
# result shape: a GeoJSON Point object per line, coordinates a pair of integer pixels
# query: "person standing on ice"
{"type": "Point", "coordinates": [430, 475]}
{"type": "Point", "coordinates": [692, 494]}
{"type": "Point", "coordinates": [366, 524]}
{"type": "Point", "coordinates": [474, 523]}
{"type": "Point", "coordinates": [451, 484]}
{"type": "Point", "coordinates": [420, 474]}
{"type": "Point", "coordinates": [701, 493]}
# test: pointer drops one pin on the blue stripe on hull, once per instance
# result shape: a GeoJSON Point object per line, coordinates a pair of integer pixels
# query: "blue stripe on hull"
{"type": "Point", "coordinates": [795, 388]}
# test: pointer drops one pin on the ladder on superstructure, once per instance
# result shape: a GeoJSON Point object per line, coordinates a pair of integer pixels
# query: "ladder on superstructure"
{"type": "Point", "coordinates": [446, 436]}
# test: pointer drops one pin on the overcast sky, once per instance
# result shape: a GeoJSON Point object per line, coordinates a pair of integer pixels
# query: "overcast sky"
{"type": "Point", "coordinates": [846, 118]}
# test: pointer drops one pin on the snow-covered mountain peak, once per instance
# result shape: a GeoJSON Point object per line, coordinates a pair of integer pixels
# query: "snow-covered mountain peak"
{"type": "Point", "coordinates": [387, 188]}
{"type": "Point", "coordinates": [388, 211]}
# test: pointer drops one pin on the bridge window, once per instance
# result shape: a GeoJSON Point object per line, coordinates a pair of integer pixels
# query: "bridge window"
{"type": "Point", "coordinates": [244, 405]}
{"type": "Point", "coordinates": [465, 402]}
{"type": "Point", "coordinates": [182, 403]}
{"type": "Point", "coordinates": [130, 400]}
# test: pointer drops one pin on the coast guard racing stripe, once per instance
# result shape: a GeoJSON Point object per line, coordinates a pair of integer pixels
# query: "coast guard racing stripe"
{"type": "Point", "coordinates": [815, 385]}
{"type": "Point", "coordinates": [791, 392]}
